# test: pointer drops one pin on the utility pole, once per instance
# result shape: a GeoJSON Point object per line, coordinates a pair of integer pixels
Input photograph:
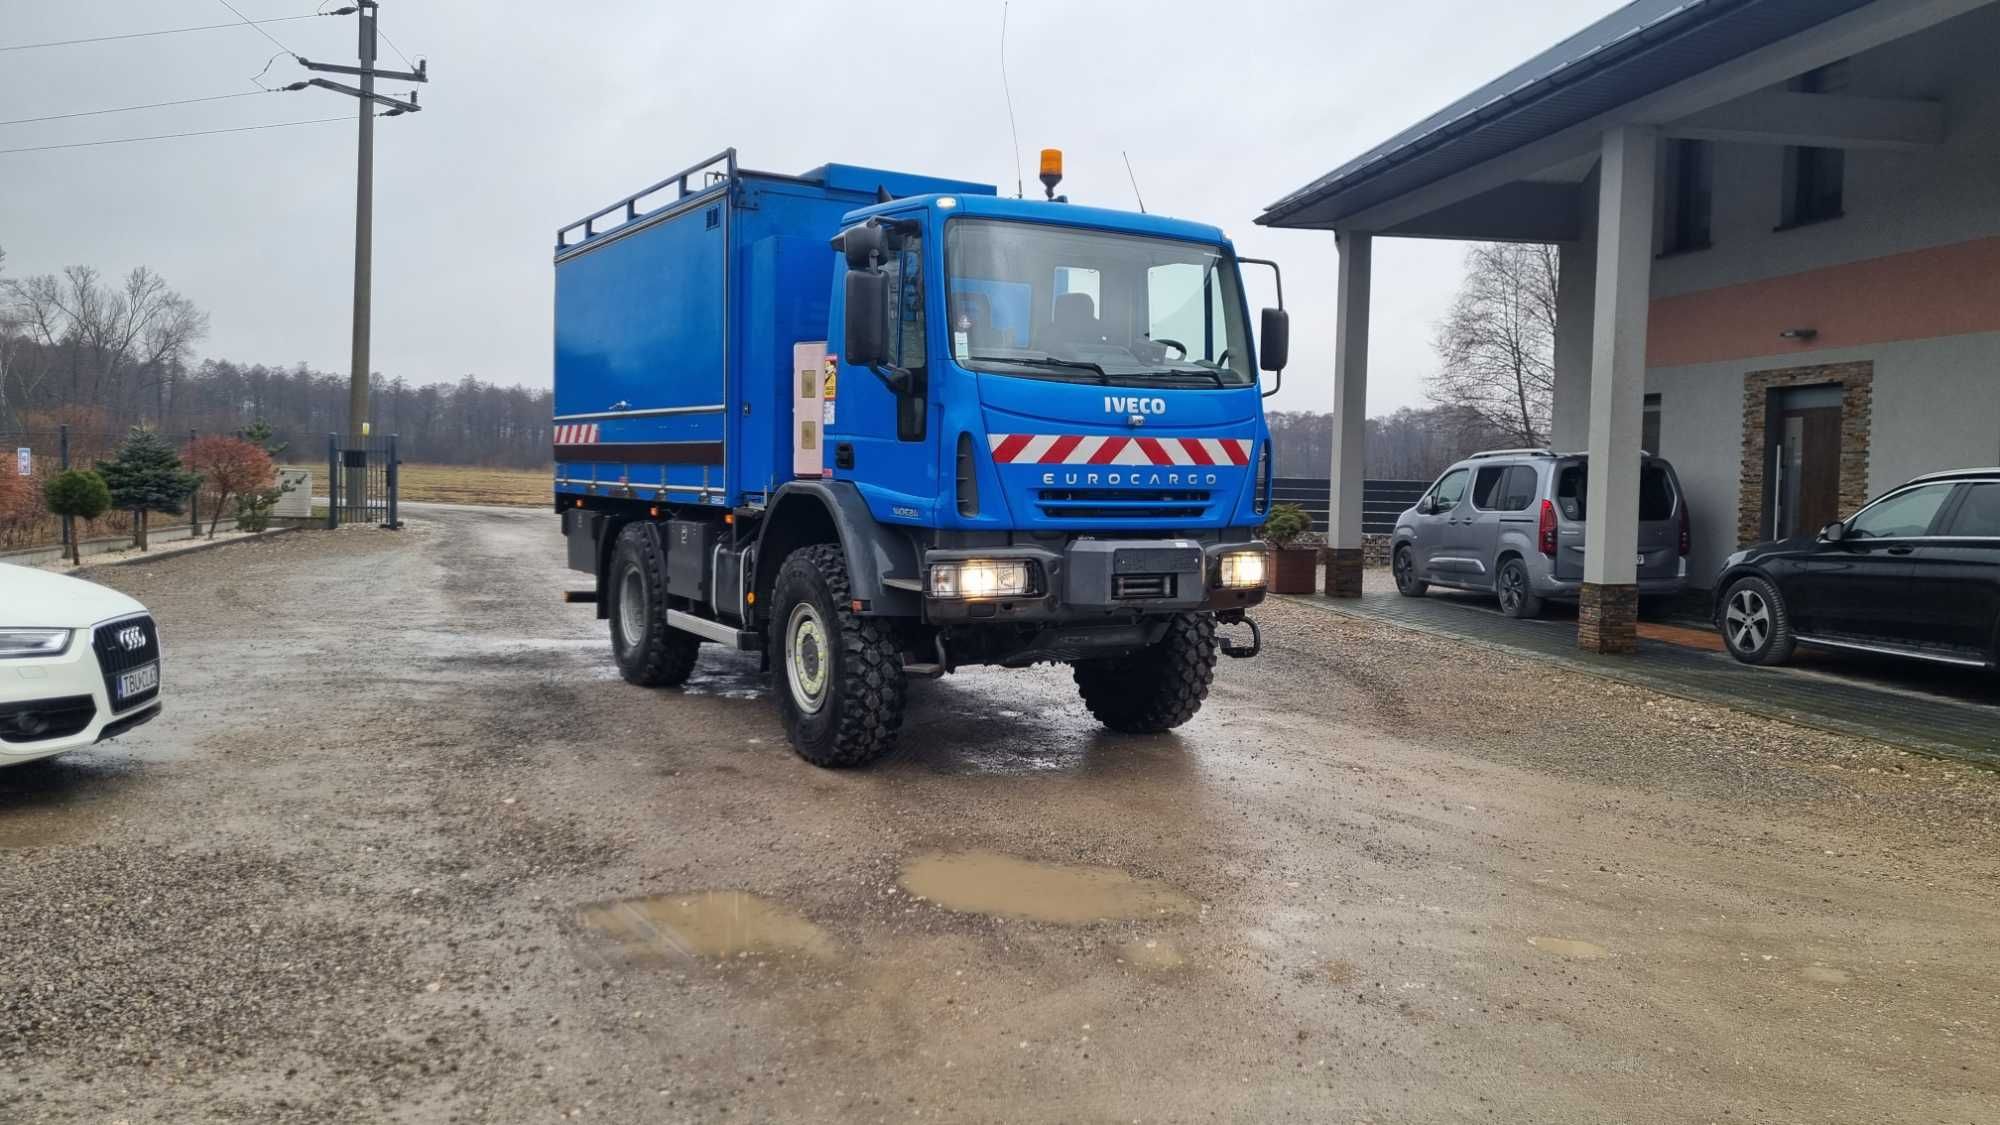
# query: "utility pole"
{"type": "Point", "coordinates": [364, 205]}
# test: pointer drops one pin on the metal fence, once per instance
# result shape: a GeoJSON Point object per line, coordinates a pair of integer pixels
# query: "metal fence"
{"type": "Point", "coordinates": [1381, 500]}
{"type": "Point", "coordinates": [361, 480]}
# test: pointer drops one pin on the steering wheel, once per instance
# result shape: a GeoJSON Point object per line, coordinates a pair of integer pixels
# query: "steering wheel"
{"type": "Point", "coordinates": [1223, 359]}
{"type": "Point", "coordinates": [1172, 344]}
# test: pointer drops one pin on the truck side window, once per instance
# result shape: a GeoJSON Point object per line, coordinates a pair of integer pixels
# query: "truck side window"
{"type": "Point", "coordinates": [906, 316]}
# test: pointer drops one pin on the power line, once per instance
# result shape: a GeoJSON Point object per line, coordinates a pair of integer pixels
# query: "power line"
{"type": "Point", "coordinates": [248, 23]}
{"type": "Point", "coordinates": [164, 31]}
{"type": "Point", "coordinates": [172, 136]}
{"type": "Point", "coordinates": [130, 108]}
{"type": "Point", "coordinates": [392, 46]}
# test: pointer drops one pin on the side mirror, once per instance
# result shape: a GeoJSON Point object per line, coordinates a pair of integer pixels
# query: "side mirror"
{"type": "Point", "coordinates": [1274, 343]}
{"type": "Point", "coordinates": [1427, 507]}
{"type": "Point", "coordinates": [867, 318]}
{"type": "Point", "coordinates": [865, 244]}
{"type": "Point", "coordinates": [1833, 532]}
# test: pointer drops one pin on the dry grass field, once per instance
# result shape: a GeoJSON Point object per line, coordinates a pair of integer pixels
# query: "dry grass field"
{"type": "Point", "coordinates": [464, 484]}
{"type": "Point", "coordinates": [468, 484]}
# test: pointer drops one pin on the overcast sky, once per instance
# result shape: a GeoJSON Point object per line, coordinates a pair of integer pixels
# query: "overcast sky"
{"type": "Point", "coordinates": [537, 115]}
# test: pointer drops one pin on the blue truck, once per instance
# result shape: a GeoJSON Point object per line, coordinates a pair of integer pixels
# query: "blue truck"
{"type": "Point", "coordinates": [878, 426]}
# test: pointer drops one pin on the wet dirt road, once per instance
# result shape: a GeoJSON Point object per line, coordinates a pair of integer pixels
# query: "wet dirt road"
{"type": "Point", "coordinates": [406, 849]}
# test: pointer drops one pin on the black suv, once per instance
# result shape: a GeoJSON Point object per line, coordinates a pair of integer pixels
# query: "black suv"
{"type": "Point", "coordinates": [1915, 573]}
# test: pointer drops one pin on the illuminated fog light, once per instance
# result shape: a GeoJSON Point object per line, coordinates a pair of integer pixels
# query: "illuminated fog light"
{"type": "Point", "coordinates": [980, 578]}
{"type": "Point", "coordinates": [1243, 570]}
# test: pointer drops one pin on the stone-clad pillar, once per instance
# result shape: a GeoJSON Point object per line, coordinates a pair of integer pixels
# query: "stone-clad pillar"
{"type": "Point", "coordinates": [1350, 417]}
{"type": "Point", "coordinates": [1607, 620]}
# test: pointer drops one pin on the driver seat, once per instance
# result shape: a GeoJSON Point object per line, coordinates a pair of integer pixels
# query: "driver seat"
{"type": "Point", "coordinates": [1073, 320]}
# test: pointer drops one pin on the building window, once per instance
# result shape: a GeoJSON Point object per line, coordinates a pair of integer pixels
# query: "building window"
{"type": "Point", "coordinates": [1815, 177]}
{"type": "Point", "coordinates": [1649, 427]}
{"type": "Point", "coordinates": [1690, 191]}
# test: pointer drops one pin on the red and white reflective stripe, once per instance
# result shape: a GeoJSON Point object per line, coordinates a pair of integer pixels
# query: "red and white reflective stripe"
{"type": "Point", "coordinates": [1097, 449]}
{"type": "Point", "coordinates": [581, 433]}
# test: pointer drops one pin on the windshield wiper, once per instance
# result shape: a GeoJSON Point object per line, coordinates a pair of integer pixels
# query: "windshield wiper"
{"type": "Point", "coordinates": [1045, 361]}
{"type": "Point", "coordinates": [1195, 369]}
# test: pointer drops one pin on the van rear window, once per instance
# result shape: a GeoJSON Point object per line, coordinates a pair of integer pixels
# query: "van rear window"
{"type": "Point", "coordinates": [1656, 492]}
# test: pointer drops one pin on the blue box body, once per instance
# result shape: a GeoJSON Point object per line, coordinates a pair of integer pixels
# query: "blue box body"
{"type": "Point", "coordinates": [674, 331]}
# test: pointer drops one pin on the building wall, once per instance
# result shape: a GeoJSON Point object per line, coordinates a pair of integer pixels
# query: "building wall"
{"type": "Point", "coordinates": [1907, 280]}
{"type": "Point", "coordinates": [1895, 201]}
{"type": "Point", "coordinates": [1936, 406]}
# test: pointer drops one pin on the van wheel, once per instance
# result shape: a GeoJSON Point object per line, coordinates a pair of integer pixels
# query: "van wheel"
{"type": "Point", "coordinates": [648, 652]}
{"type": "Point", "coordinates": [1517, 597]}
{"type": "Point", "coordinates": [1157, 688]}
{"type": "Point", "coordinates": [1754, 623]}
{"type": "Point", "coordinates": [1404, 566]}
{"type": "Point", "coordinates": [838, 679]}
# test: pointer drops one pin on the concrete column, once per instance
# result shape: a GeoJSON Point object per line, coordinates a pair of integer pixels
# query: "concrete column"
{"type": "Point", "coordinates": [1350, 416]}
{"type": "Point", "coordinates": [1576, 306]}
{"type": "Point", "coordinates": [1608, 613]}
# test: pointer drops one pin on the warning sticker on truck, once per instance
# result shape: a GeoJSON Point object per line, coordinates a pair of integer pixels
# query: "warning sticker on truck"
{"type": "Point", "coordinates": [828, 385]}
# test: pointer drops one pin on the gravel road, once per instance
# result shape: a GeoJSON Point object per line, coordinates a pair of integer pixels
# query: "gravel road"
{"type": "Point", "coordinates": [405, 848]}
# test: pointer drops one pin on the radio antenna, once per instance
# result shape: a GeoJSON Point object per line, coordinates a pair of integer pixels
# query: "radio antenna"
{"type": "Point", "coordinates": [1009, 92]}
{"type": "Point", "coordinates": [1135, 182]}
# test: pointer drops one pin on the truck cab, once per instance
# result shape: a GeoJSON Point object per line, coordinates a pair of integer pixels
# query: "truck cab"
{"type": "Point", "coordinates": [1020, 432]}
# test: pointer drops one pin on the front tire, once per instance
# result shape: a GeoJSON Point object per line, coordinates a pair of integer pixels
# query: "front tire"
{"type": "Point", "coordinates": [1755, 624]}
{"type": "Point", "coordinates": [1404, 566]}
{"type": "Point", "coordinates": [838, 680]}
{"type": "Point", "coordinates": [649, 653]}
{"type": "Point", "coordinates": [1157, 688]}
{"type": "Point", "coordinates": [1517, 597]}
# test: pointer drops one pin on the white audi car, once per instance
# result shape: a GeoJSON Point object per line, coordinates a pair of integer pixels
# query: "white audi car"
{"type": "Point", "coordinates": [79, 663]}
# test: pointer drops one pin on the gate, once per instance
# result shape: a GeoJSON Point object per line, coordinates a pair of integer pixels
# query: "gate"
{"type": "Point", "coordinates": [361, 480]}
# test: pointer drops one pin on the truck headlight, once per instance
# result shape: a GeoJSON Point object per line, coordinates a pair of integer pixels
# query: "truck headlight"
{"type": "Point", "coordinates": [982, 578]}
{"type": "Point", "coordinates": [1242, 570]}
{"type": "Point", "coordinates": [33, 642]}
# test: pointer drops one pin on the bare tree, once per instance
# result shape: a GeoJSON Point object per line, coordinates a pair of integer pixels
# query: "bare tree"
{"type": "Point", "coordinates": [1496, 347]}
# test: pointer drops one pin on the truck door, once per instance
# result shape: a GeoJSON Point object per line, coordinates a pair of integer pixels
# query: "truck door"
{"type": "Point", "coordinates": [879, 439]}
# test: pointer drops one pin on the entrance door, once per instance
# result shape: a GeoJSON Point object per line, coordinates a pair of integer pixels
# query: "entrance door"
{"type": "Point", "coordinates": [1806, 453]}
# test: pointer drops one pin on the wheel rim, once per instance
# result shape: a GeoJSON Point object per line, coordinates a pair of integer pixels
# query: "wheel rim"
{"type": "Point", "coordinates": [807, 661]}
{"type": "Point", "coordinates": [1747, 620]}
{"type": "Point", "coordinates": [632, 606]}
{"type": "Point", "coordinates": [1403, 568]}
{"type": "Point", "coordinates": [1511, 585]}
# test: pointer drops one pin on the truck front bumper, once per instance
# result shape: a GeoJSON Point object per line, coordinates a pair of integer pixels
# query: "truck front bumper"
{"type": "Point", "coordinates": [1097, 580]}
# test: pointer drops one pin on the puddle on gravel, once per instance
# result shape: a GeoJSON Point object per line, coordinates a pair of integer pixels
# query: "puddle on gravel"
{"type": "Point", "coordinates": [704, 924]}
{"type": "Point", "coordinates": [992, 883]}
{"type": "Point", "coordinates": [1825, 975]}
{"type": "Point", "coordinates": [1570, 947]}
{"type": "Point", "coordinates": [1151, 953]}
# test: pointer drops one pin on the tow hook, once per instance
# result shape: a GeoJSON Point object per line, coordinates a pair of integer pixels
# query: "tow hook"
{"type": "Point", "coordinates": [1244, 652]}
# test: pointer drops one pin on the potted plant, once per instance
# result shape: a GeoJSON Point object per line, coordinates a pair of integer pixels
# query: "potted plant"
{"type": "Point", "coordinates": [1294, 555]}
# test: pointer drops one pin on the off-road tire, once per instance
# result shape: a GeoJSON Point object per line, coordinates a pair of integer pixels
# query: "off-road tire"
{"type": "Point", "coordinates": [1517, 597]}
{"type": "Point", "coordinates": [657, 656]}
{"type": "Point", "coordinates": [1157, 688]}
{"type": "Point", "coordinates": [1403, 565]}
{"type": "Point", "coordinates": [1773, 644]}
{"type": "Point", "coordinates": [865, 690]}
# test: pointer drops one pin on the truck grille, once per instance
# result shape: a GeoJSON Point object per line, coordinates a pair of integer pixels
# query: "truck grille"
{"type": "Point", "coordinates": [1123, 503]}
{"type": "Point", "coordinates": [119, 650]}
{"type": "Point", "coordinates": [1142, 586]}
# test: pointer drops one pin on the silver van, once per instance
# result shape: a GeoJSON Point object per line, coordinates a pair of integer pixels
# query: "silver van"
{"type": "Point", "coordinates": [1511, 522]}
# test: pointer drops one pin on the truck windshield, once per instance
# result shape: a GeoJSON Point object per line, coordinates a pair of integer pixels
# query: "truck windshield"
{"type": "Point", "coordinates": [1052, 302]}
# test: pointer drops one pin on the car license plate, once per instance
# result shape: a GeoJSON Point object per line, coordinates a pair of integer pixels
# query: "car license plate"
{"type": "Point", "coordinates": [139, 680]}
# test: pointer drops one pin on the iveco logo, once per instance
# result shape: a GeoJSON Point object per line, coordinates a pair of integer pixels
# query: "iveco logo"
{"type": "Point", "coordinates": [1134, 404]}
{"type": "Point", "coordinates": [132, 637]}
